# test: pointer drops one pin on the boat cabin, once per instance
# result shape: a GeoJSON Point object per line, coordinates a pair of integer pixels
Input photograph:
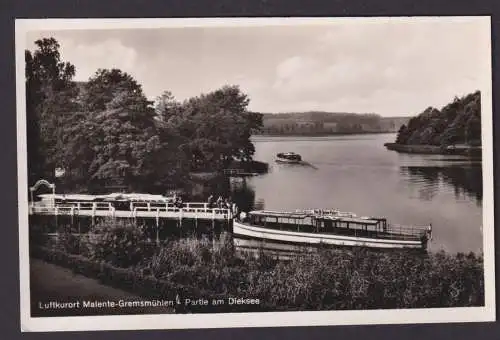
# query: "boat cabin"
{"type": "Point", "coordinates": [281, 220]}
{"type": "Point", "coordinates": [290, 156]}
{"type": "Point", "coordinates": [338, 224]}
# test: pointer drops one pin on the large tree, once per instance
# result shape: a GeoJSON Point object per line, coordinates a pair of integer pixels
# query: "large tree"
{"type": "Point", "coordinates": [215, 127]}
{"type": "Point", "coordinates": [117, 141]}
{"type": "Point", "coordinates": [50, 102]}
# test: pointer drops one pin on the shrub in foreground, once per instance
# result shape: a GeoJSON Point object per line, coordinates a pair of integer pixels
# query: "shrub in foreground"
{"type": "Point", "coordinates": [119, 242]}
{"type": "Point", "coordinates": [325, 280]}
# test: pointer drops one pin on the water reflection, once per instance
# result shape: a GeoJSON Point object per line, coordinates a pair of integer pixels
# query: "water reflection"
{"type": "Point", "coordinates": [465, 180]}
{"type": "Point", "coordinates": [429, 181]}
{"type": "Point", "coordinates": [238, 190]}
{"type": "Point", "coordinates": [244, 196]}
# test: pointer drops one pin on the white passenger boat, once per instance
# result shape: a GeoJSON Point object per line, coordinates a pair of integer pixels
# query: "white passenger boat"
{"type": "Point", "coordinates": [333, 228]}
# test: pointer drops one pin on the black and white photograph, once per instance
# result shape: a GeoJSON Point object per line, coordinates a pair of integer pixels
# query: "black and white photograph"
{"type": "Point", "coordinates": [237, 172]}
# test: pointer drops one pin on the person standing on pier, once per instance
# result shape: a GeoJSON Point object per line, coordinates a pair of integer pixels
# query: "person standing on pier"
{"type": "Point", "coordinates": [210, 200]}
{"type": "Point", "coordinates": [227, 204]}
{"type": "Point", "coordinates": [178, 202]}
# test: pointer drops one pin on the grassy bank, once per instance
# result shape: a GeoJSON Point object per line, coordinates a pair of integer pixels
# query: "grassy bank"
{"type": "Point", "coordinates": [326, 280]}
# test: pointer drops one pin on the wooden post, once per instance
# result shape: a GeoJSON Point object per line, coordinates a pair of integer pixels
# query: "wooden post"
{"type": "Point", "coordinates": [32, 200]}
{"type": "Point", "coordinates": [55, 216]}
{"type": "Point", "coordinates": [158, 226]}
{"type": "Point", "coordinates": [53, 193]}
{"type": "Point", "coordinates": [79, 237]}
{"type": "Point", "coordinates": [94, 206]}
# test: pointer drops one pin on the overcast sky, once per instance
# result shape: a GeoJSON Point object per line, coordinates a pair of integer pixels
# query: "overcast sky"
{"type": "Point", "coordinates": [390, 68]}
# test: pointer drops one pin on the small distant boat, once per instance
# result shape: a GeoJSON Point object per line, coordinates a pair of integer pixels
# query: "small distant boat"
{"type": "Point", "coordinates": [330, 228]}
{"type": "Point", "coordinates": [288, 158]}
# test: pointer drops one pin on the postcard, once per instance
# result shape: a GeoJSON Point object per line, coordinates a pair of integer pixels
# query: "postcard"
{"type": "Point", "coordinates": [254, 172]}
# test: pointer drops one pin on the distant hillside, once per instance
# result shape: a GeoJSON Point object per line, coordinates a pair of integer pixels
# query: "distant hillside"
{"type": "Point", "coordinates": [459, 122]}
{"type": "Point", "coordinates": [326, 123]}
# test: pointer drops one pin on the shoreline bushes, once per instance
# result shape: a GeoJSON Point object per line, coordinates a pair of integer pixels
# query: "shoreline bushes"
{"type": "Point", "coordinates": [329, 279]}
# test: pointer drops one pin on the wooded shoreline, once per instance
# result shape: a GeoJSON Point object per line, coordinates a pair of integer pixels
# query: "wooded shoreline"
{"type": "Point", "coordinates": [435, 150]}
{"type": "Point", "coordinates": [325, 134]}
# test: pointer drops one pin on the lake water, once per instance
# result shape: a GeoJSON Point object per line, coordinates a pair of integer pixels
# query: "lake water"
{"type": "Point", "coordinates": [357, 174]}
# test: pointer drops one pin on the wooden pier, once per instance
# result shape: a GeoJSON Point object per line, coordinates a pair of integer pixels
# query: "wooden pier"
{"type": "Point", "coordinates": [156, 211]}
{"type": "Point", "coordinates": [192, 210]}
{"type": "Point", "coordinates": [158, 221]}
{"type": "Point", "coordinates": [238, 173]}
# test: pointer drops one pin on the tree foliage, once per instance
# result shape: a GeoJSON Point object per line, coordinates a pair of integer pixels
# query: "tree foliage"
{"type": "Point", "coordinates": [117, 140]}
{"type": "Point", "coordinates": [106, 133]}
{"type": "Point", "coordinates": [214, 128]}
{"type": "Point", "coordinates": [50, 101]}
{"type": "Point", "coordinates": [459, 122]}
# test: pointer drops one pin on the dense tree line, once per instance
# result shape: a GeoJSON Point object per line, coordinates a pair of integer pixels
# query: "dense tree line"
{"type": "Point", "coordinates": [106, 133]}
{"type": "Point", "coordinates": [326, 123]}
{"type": "Point", "coordinates": [459, 122]}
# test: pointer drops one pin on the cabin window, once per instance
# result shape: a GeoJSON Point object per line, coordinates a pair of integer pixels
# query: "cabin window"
{"type": "Point", "coordinates": [329, 227]}
{"type": "Point", "coordinates": [289, 226]}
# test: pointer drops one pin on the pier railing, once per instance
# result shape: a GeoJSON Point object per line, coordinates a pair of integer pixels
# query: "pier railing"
{"type": "Point", "coordinates": [231, 172]}
{"type": "Point", "coordinates": [196, 210]}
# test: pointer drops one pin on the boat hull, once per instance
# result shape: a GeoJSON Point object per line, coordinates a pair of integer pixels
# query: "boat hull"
{"type": "Point", "coordinates": [247, 231]}
{"type": "Point", "coordinates": [287, 161]}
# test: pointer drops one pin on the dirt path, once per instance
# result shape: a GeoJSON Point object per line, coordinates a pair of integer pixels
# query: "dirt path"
{"type": "Point", "coordinates": [51, 286]}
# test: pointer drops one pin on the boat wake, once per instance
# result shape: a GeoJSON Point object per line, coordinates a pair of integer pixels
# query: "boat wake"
{"type": "Point", "coordinates": [309, 165]}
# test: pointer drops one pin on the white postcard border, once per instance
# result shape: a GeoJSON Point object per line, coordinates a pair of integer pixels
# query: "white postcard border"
{"type": "Point", "coordinates": [267, 319]}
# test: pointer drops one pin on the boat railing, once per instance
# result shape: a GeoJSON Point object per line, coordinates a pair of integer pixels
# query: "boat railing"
{"type": "Point", "coordinates": [408, 230]}
{"type": "Point", "coordinates": [188, 206]}
{"type": "Point", "coordinates": [282, 214]}
{"type": "Point", "coordinates": [329, 212]}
